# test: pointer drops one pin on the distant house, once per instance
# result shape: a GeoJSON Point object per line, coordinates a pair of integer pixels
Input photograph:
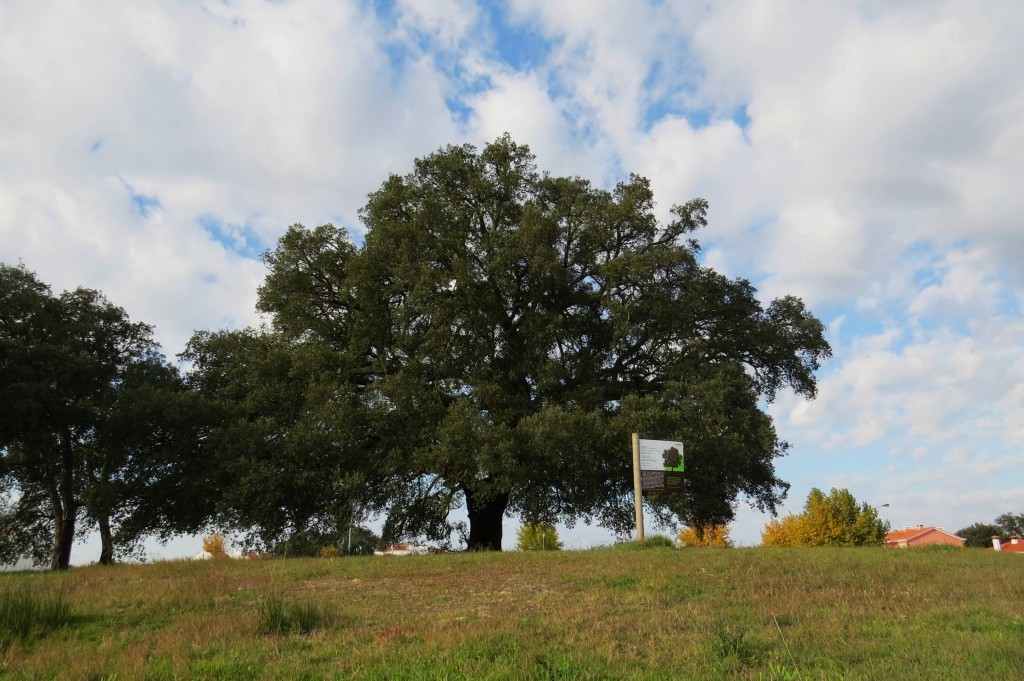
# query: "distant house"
{"type": "Point", "coordinates": [922, 536]}
{"type": "Point", "coordinates": [206, 555]}
{"type": "Point", "coordinates": [405, 550]}
{"type": "Point", "coordinates": [1015, 545]}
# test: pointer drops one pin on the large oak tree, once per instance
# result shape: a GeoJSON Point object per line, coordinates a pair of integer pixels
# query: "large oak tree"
{"type": "Point", "coordinates": [508, 329]}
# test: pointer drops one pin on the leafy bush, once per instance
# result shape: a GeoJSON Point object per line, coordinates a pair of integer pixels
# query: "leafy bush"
{"type": "Point", "coordinates": [277, 616]}
{"type": "Point", "coordinates": [25, 614]}
{"type": "Point", "coordinates": [716, 536]}
{"type": "Point", "coordinates": [657, 541]}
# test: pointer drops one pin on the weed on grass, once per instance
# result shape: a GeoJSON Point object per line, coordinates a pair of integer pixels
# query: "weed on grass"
{"type": "Point", "coordinates": [278, 616]}
{"type": "Point", "coordinates": [730, 639]}
{"type": "Point", "coordinates": [26, 615]}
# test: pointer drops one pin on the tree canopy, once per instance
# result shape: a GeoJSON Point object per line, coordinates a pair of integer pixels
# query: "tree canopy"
{"type": "Point", "coordinates": [1012, 524]}
{"type": "Point", "coordinates": [288, 448]}
{"type": "Point", "coordinates": [501, 331]}
{"type": "Point", "coordinates": [979, 535]}
{"type": "Point", "coordinates": [835, 519]}
{"type": "Point", "coordinates": [538, 536]}
{"type": "Point", "coordinates": [93, 425]}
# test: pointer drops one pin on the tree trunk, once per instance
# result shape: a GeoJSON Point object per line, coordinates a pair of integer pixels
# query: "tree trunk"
{"type": "Point", "coordinates": [62, 542]}
{"type": "Point", "coordinates": [65, 514]}
{"type": "Point", "coordinates": [106, 542]}
{"type": "Point", "coordinates": [485, 516]}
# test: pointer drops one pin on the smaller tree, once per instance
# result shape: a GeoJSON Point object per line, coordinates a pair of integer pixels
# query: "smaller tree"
{"type": "Point", "coordinates": [312, 542]}
{"type": "Point", "coordinates": [835, 519]}
{"type": "Point", "coordinates": [784, 532]}
{"type": "Point", "coordinates": [979, 535]}
{"type": "Point", "coordinates": [1011, 524]}
{"type": "Point", "coordinates": [713, 536]}
{"type": "Point", "coordinates": [360, 541]}
{"type": "Point", "coordinates": [538, 536]}
{"type": "Point", "coordinates": [214, 544]}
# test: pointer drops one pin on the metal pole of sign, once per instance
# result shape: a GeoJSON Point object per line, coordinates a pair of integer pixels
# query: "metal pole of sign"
{"type": "Point", "coordinates": [638, 498]}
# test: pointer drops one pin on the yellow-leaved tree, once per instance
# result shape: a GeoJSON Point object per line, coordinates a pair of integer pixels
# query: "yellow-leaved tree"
{"type": "Point", "coordinates": [783, 532]}
{"type": "Point", "coordinates": [214, 544]}
{"type": "Point", "coordinates": [714, 536]}
{"type": "Point", "coordinates": [835, 519]}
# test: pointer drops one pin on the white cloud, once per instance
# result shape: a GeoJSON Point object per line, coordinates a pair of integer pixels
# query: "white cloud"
{"type": "Point", "coordinates": [255, 114]}
{"type": "Point", "coordinates": [876, 176]}
{"type": "Point", "coordinates": [449, 22]}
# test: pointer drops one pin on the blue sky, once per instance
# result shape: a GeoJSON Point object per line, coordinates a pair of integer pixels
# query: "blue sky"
{"type": "Point", "coordinates": [862, 155]}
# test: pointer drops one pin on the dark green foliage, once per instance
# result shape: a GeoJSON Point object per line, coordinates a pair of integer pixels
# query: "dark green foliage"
{"type": "Point", "coordinates": [311, 543]}
{"type": "Point", "coordinates": [289, 445]}
{"type": "Point", "coordinates": [979, 535]}
{"type": "Point", "coordinates": [26, 614]}
{"type": "Point", "coordinates": [1011, 524]}
{"type": "Point", "coordinates": [95, 424]}
{"type": "Point", "coordinates": [501, 332]}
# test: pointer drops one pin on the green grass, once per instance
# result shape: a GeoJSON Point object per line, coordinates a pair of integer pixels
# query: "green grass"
{"type": "Point", "coordinates": [26, 615]}
{"type": "Point", "coordinates": [657, 541]}
{"type": "Point", "coordinates": [603, 614]}
{"type": "Point", "coordinates": [278, 616]}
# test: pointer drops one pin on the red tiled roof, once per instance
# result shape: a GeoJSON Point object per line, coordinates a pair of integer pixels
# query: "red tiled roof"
{"type": "Point", "coordinates": [898, 535]}
{"type": "Point", "coordinates": [912, 532]}
{"type": "Point", "coordinates": [1011, 547]}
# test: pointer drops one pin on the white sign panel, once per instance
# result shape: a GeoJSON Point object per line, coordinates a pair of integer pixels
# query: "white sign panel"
{"type": "Point", "coordinates": [656, 455]}
{"type": "Point", "coordinates": [661, 465]}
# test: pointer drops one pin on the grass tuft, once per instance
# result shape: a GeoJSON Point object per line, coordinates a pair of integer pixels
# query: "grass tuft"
{"type": "Point", "coordinates": [279, 617]}
{"type": "Point", "coordinates": [27, 615]}
{"type": "Point", "coordinates": [658, 541]}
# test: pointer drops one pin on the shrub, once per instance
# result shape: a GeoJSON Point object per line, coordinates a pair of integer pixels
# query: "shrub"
{"type": "Point", "coordinates": [657, 541]}
{"type": "Point", "coordinates": [329, 552]}
{"type": "Point", "coordinates": [716, 536]}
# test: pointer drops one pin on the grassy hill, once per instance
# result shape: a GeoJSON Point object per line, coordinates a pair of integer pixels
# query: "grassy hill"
{"type": "Point", "coordinates": [605, 613]}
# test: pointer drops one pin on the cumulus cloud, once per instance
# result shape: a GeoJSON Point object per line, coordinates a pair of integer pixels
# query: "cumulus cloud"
{"type": "Point", "coordinates": [153, 150]}
{"type": "Point", "coordinates": [862, 155]}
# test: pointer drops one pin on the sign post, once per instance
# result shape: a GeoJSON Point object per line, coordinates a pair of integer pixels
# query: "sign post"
{"type": "Point", "coordinates": [638, 496]}
{"type": "Point", "coordinates": [657, 467]}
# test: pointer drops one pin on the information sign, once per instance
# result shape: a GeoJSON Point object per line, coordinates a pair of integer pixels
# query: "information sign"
{"type": "Point", "coordinates": [661, 466]}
